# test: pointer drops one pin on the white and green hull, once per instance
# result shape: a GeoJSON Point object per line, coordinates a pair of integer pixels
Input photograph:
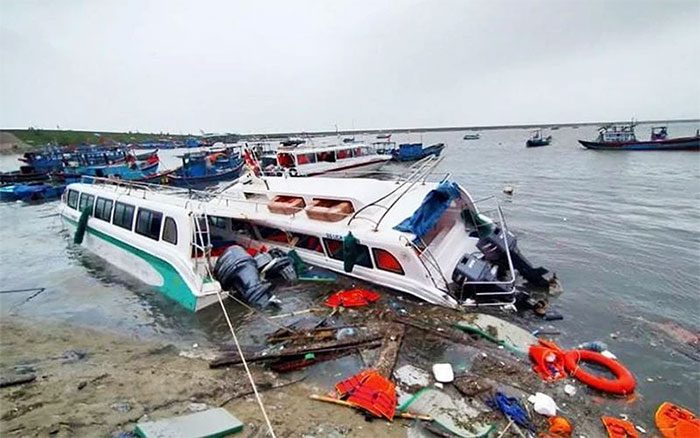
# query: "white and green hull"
{"type": "Point", "coordinates": [149, 268]}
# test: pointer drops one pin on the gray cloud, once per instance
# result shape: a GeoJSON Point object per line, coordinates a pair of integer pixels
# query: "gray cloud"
{"type": "Point", "coordinates": [302, 65]}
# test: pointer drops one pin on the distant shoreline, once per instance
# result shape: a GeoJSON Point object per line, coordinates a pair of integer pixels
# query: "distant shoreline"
{"type": "Point", "coordinates": [455, 128]}
{"type": "Point", "coordinates": [19, 140]}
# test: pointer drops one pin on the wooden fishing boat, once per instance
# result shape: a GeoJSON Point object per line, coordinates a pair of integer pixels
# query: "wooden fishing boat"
{"type": "Point", "coordinates": [623, 138]}
{"type": "Point", "coordinates": [200, 170]}
{"type": "Point", "coordinates": [537, 139]}
{"type": "Point", "coordinates": [130, 172]}
{"type": "Point", "coordinates": [25, 174]}
{"type": "Point", "coordinates": [416, 151]}
{"type": "Point", "coordinates": [472, 136]}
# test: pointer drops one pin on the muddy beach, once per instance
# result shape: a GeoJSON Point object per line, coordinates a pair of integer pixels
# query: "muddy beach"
{"type": "Point", "coordinates": [100, 383]}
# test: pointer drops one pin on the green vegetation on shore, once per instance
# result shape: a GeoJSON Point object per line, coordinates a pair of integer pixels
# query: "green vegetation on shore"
{"type": "Point", "coordinates": [38, 137]}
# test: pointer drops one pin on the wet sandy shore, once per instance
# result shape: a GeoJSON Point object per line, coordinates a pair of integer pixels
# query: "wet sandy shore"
{"type": "Point", "coordinates": [98, 383]}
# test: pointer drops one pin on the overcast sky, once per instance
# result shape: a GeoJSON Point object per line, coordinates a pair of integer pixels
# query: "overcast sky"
{"type": "Point", "coordinates": [266, 66]}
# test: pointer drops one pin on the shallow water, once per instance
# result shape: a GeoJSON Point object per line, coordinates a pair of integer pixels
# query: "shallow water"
{"type": "Point", "coordinates": [620, 229]}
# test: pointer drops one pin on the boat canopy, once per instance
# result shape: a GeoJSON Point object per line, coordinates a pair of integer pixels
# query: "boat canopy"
{"type": "Point", "coordinates": [434, 205]}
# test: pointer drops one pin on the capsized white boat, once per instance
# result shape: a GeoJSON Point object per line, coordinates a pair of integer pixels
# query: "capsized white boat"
{"type": "Point", "coordinates": [424, 238]}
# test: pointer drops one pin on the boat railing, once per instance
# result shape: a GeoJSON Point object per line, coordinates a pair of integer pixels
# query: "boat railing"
{"type": "Point", "coordinates": [420, 172]}
{"type": "Point", "coordinates": [429, 262]}
{"type": "Point", "coordinates": [509, 283]}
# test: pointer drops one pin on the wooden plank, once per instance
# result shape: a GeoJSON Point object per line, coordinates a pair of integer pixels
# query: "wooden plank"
{"type": "Point", "coordinates": [355, 342]}
{"type": "Point", "coordinates": [390, 350]}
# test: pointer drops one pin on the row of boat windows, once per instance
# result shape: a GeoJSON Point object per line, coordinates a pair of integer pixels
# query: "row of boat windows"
{"type": "Point", "coordinates": [287, 159]}
{"type": "Point", "coordinates": [149, 222]}
{"type": "Point", "coordinates": [383, 259]}
{"type": "Point", "coordinates": [120, 214]}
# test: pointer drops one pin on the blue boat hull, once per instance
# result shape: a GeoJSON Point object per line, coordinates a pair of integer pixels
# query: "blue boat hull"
{"type": "Point", "coordinates": [674, 144]}
{"type": "Point", "coordinates": [178, 180]}
{"type": "Point", "coordinates": [412, 155]}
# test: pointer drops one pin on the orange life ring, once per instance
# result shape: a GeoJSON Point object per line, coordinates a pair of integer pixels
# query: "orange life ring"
{"type": "Point", "coordinates": [623, 384]}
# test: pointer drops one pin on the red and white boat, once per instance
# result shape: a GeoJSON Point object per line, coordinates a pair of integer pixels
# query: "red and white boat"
{"type": "Point", "coordinates": [354, 159]}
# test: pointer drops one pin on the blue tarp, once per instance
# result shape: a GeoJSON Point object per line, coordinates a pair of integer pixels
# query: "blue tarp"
{"type": "Point", "coordinates": [430, 211]}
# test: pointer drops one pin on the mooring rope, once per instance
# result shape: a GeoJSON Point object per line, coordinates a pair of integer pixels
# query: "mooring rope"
{"type": "Point", "coordinates": [245, 365]}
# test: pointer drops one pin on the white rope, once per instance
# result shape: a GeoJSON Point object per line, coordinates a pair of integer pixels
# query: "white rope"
{"type": "Point", "coordinates": [245, 364]}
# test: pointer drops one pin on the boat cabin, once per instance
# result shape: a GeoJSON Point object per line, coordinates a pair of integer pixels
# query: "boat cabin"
{"type": "Point", "coordinates": [617, 134]}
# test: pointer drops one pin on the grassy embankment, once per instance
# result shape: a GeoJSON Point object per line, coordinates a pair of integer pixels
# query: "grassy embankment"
{"type": "Point", "coordinates": [26, 139]}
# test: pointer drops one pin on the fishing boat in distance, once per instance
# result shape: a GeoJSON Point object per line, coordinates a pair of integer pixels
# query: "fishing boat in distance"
{"type": "Point", "coordinates": [537, 139]}
{"type": "Point", "coordinates": [383, 136]}
{"type": "Point", "coordinates": [472, 136]}
{"type": "Point", "coordinates": [416, 151]}
{"type": "Point", "coordinates": [421, 234]}
{"type": "Point", "coordinates": [307, 160]}
{"type": "Point", "coordinates": [623, 138]}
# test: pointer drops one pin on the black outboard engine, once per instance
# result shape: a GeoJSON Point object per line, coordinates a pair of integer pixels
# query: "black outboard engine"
{"type": "Point", "coordinates": [494, 248]}
{"type": "Point", "coordinates": [475, 268]}
{"type": "Point", "coordinates": [237, 270]}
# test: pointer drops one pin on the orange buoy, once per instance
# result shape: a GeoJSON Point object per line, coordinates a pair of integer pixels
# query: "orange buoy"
{"type": "Point", "coordinates": [674, 421]}
{"type": "Point", "coordinates": [618, 428]}
{"type": "Point", "coordinates": [623, 383]}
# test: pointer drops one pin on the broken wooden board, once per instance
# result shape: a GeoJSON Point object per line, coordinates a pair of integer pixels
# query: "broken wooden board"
{"type": "Point", "coordinates": [206, 424]}
{"type": "Point", "coordinates": [390, 350]}
{"type": "Point", "coordinates": [499, 329]}
{"type": "Point", "coordinates": [320, 347]}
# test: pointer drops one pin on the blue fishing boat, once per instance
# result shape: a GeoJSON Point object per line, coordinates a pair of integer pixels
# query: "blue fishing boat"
{"type": "Point", "coordinates": [132, 171]}
{"type": "Point", "coordinates": [623, 138]}
{"type": "Point", "coordinates": [416, 151]}
{"type": "Point", "coordinates": [31, 192]}
{"type": "Point", "coordinates": [25, 174]}
{"type": "Point", "coordinates": [200, 170]}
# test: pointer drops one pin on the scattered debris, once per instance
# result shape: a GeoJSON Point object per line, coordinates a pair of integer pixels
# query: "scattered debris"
{"type": "Point", "coordinates": [213, 422]}
{"type": "Point", "coordinates": [443, 372]}
{"type": "Point", "coordinates": [470, 385]}
{"type": "Point", "coordinates": [570, 389]}
{"type": "Point", "coordinates": [508, 190]}
{"type": "Point", "coordinates": [617, 427]}
{"type": "Point", "coordinates": [352, 298]}
{"type": "Point", "coordinates": [16, 379]}
{"type": "Point", "coordinates": [543, 404]}
{"type": "Point", "coordinates": [121, 407]}
{"type": "Point", "coordinates": [453, 415]}
{"type": "Point", "coordinates": [370, 391]}
{"type": "Point", "coordinates": [409, 376]}
{"type": "Point", "coordinates": [390, 349]}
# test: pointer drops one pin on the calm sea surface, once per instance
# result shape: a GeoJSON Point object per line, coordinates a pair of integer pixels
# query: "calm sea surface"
{"type": "Point", "coordinates": [620, 229]}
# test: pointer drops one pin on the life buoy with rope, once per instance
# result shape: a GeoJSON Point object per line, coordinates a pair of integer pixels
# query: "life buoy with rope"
{"type": "Point", "coordinates": [623, 383]}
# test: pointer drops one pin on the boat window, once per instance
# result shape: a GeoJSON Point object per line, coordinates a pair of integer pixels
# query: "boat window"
{"type": "Point", "coordinates": [386, 261]}
{"type": "Point", "coordinates": [73, 198]}
{"type": "Point", "coordinates": [170, 231]}
{"type": "Point", "coordinates": [305, 241]}
{"type": "Point", "coordinates": [123, 215]}
{"type": "Point", "coordinates": [335, 251]}
{"type": "Point", "coordinates": [358, 152]}
{"type": "Point", "coordinates": [327, 156]}
{"type": "Point", "coordinates": [306, 158]}
{"type": "Point", "coordinates": [285, 160]}
{"type": "Point", "coordinates": [86, 201]}
{"type": "Point", "coordinates": [344, 153]}
{"type": "Point", "coordinates": [242, 227]}
{"type": "Point", "coordinates": [148, 223]}
{"type": "Point", "coordinates": [273, 234]}
{"type": "Point", "coordinates": [217, 222]}
{"type": "Point", "coordinates": [103, 209]}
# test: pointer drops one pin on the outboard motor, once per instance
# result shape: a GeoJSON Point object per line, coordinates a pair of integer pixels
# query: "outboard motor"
{"type": "Point", "coordinates": [475, 268]}
{"type": "Point", "coordinates": [237, 270]}
{"type": "Point", "coordinates": [494, 248]}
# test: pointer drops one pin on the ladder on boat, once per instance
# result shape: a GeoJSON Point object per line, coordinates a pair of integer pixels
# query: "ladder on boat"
{"type": "Point", "coordinates": [201, 243]}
